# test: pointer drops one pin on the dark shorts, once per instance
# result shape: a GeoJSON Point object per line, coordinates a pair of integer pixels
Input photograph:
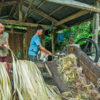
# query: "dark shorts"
{"type": "Point", "coordinates": [32, 58]}
{"type": "Point", "coordinates": [4, 59]}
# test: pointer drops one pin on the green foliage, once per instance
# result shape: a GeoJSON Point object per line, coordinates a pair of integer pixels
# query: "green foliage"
{"type": "Point", "coordinates": [83, 30]}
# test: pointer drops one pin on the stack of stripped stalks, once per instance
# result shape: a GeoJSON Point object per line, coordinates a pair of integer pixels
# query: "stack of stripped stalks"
{"type": "Point", "coordinates": [81, 88]}
{"type": "Point", "coordinates": [5, 86]}
{"type": "Point", "coordinates": [28, 83]}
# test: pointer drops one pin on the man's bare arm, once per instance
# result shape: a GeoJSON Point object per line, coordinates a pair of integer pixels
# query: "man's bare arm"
{"type": "Point", "coordinates": [45, 50]}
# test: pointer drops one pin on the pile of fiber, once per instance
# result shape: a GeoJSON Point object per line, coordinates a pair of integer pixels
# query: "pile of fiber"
{"type": "Point", "coordinates": [28, 83]}
{"type": "Point", "coordinates": [72, 75]}
{"type": "Point", "coordinates": [5, 86]}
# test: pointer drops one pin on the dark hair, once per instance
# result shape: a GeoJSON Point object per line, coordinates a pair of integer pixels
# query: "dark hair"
{"type": "Point", "coordinates": [3, 23]}
{"type": "Point", "coordinates": [39, 28]}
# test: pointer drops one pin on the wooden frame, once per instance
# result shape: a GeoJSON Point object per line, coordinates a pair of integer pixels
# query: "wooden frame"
{"type": "Point", "coordinates": [7, 3]}
{"type": "Point", "coordinates": [51, 13]}
{"type": "Point", "coordinates": [76, 15]}
{"type": "Point", "coordinates": [77, 4]}
{"type": "Point", "coordinates": [14, 22]}
{"type": "Point", "coordinates": [42, 14]}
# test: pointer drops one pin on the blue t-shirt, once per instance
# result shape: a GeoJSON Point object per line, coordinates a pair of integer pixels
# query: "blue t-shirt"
{"type": "Point", "coordinates": [34, 45]}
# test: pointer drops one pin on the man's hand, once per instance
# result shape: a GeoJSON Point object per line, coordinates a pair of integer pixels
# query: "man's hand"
{"type": "Point", "coordinates": [49, 53]}
{"type": "Point", "coordinates": [45, 50]}
{"type": "Point", "coordinates": [8, 47]}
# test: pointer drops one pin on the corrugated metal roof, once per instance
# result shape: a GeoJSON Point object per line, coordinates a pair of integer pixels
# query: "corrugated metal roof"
{"type": "Point", "coordinates": [64, 12]}
{"type": "Point", "coordinates": [80, 19]}
{"type": "Point", "coordinates": [47, 8]}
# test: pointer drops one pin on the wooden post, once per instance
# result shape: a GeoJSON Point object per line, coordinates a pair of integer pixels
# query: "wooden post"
{"type": "Point", "coordinates": [53, 49]}
{"type": "Point", "coordinates": [53, 41]}
{"type": "Point", "coordinates": [25, 43]}
{"type": "Point", "coordinates": [20, 11]}
{"type": "Point", "coordinates": [96, 24]}
{"type": "Point", "coordinates": [12, 30]}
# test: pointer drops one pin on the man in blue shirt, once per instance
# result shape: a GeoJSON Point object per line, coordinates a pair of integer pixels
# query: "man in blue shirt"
{"type": "Point", "coordinates": [35, 45]}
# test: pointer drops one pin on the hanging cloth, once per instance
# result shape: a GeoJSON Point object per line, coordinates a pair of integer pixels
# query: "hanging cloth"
{"type": "Point", "coordinates": [60, 37]}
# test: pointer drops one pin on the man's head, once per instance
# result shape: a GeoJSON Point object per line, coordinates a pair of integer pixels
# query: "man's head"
{"type": "Point", "coordinates": [39, 30]}
{"type": "Point", "coordinates": [2, 27]}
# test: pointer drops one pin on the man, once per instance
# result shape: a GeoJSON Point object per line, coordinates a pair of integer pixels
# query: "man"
{"type": "Point", "coordinates": [4, 45]}
{"type": "Point", "coordinates": [35, 45]}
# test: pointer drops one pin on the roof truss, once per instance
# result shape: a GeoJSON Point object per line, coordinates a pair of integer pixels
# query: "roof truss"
{"type": "Point", "coordinates": [14, 22]}
{"type": "Point", "coordinates": [76, 4]}
{"type": "Point", "coordinates": [7, 3]}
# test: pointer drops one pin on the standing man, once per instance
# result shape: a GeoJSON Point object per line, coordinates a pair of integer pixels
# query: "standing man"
{"type": "Point", "coordinates": [4, 45]}
{"type": "Point", "coordinates": [35, 45]}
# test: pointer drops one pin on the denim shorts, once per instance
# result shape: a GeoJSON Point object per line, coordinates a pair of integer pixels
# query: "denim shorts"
{"type": "Point", "coordinates": [32, 58]}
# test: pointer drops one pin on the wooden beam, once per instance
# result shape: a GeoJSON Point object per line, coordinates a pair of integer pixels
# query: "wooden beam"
{"type": "Point", "coordinates": [12, 10]}
{"type": "Point", "coordinates": [40, 12]}
{"type": "Point", "coordinates": [15, 13]}
{"type": "Point", "coordinates": [15, 32]}
{"type": "Point", "coordinates": [30, 5]}
{"type": "Point", "coordinates": [7, 3]}
{"type": "Point", "coordinates": [76, 15]}
{"type": "Point", "coordinates": [14, 22]}
{"type": "Point", "coordinates": [76, 4]}
{"type": "Point", "coordinates": [51, 13]}
{"type": "Point", "coordinates": [41, 4]}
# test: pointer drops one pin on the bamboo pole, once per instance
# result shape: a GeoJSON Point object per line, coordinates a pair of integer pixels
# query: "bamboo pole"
{"type": "Point", "coordinates": [96, 24]}
{"type": "Point", "coordinates": [53, 41]}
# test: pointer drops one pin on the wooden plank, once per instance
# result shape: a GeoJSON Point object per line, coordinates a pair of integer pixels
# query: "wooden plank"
{"type": "Point", "coordinates": [76, 4]}
{"type": "Point", "coordinates": [15, 32]}
{"type": "Point", "coordinates": [15, 13]}
{"type": "Point", "coordinates": [51, 13]}
{"type": "Point", "coordinates": [14, 22]}
{"type": "Point", "coordinates": [7, 3]}
{"type": "Point", "coordinates": [52, 65]}
{"type": "Point", "coordinates": [48, 70]}
{"type": "Point", "coordinates": [76, 15]}
{"type": "Point", "coordinates": [91, 71]}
